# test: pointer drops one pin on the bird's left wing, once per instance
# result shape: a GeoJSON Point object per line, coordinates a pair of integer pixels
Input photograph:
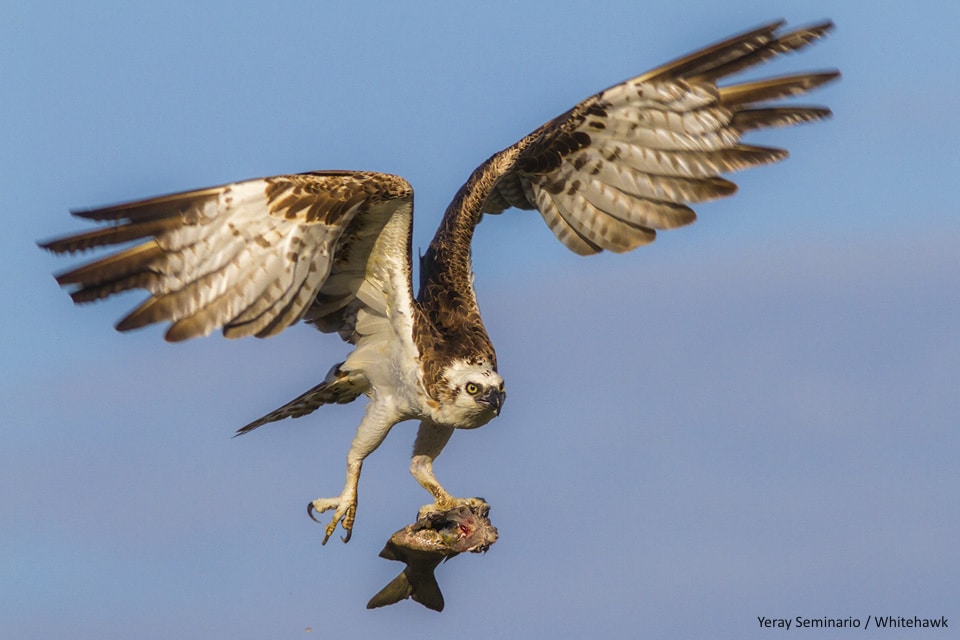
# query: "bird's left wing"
{"type": "Point", "coordinates": [629, 160]}
{"type": "Point", "coordinates": [251, 257]}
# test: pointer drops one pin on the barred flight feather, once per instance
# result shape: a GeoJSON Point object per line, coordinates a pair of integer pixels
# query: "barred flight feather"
{"type": "Point", "coordinates": [773, 88]}
{"type": "Point", "coordinates": [562, 229]}
{"type": "Point", "coordinates": [637, 210]}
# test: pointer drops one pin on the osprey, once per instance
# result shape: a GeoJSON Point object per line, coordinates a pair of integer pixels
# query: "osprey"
{"type": "Point", "coordinates": [333, 248]}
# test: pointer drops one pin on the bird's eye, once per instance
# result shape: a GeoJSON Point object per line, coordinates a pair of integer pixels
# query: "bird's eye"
{"type": "Point", "coordinates": [500, 388]}
{"type": "Point", "coordinates": [472, 389]}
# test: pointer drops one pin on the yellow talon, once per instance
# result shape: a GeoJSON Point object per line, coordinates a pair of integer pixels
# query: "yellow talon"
{"type": "Point", "coordinates": [330, 529]}
{"type": "Point", "coordinates": [348, 519]}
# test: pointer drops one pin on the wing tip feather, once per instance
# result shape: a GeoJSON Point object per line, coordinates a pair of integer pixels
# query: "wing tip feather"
{"type": "Point", "coordinates": [136, 319]}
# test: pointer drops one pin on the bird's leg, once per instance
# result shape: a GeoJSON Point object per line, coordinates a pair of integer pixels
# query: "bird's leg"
{"type": "Point", "coordinates": [431, 438]}
{"type": "Point", "coordinates": [371, 432]}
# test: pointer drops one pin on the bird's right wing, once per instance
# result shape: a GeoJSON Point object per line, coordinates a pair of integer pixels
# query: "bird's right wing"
{"type": "Point", "coordinates": [254, 257]}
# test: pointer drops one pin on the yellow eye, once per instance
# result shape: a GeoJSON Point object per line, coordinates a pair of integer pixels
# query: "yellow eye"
{"type": "Point", "coordinates": [472, 389]}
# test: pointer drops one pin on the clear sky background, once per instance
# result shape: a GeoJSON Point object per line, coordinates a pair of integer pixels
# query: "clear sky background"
{"type": "Point", "coordinates": [755, 416]}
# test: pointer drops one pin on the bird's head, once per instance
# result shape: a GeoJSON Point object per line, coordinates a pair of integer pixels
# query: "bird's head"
{"type": "Point", "coordinates": [474, 393]}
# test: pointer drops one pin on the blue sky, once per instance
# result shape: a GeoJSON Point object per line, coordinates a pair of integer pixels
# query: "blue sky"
{"type": "Point", "coordinates": [755, 416]}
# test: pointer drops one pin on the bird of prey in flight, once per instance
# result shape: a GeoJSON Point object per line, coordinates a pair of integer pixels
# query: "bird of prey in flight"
{"type": "Point", "coordinates": [333, 248]}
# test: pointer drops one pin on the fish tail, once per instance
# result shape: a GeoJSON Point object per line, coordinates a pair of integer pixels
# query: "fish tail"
{"type": "Point", "coordinates": [427, 592]}
{"type": "Point", "coordinates": [423, 588]}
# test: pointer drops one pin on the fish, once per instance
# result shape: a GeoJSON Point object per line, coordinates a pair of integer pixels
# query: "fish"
{"type": "Point", "coordinates": [435, 537]}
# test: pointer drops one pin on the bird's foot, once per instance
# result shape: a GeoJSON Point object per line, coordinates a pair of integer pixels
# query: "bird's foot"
{"type": "Point", "coordinates": [344, 511]}
{"type": "Point", "coordinates": [446, 503]}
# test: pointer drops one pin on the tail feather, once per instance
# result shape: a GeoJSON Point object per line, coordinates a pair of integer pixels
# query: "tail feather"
{"type": "Point", "coordinates": [339, 387]}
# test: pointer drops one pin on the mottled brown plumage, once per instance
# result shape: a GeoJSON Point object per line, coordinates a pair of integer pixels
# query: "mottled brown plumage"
{"type": "Point", "coordinates": [333, 248]}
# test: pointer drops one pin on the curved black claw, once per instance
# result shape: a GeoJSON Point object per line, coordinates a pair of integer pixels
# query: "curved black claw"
{"type": "Point", "coordinates": [310, 513]}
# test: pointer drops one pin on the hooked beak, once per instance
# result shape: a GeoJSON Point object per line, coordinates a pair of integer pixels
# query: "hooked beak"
{"type": "Point", "coordinates": [494, 399]}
